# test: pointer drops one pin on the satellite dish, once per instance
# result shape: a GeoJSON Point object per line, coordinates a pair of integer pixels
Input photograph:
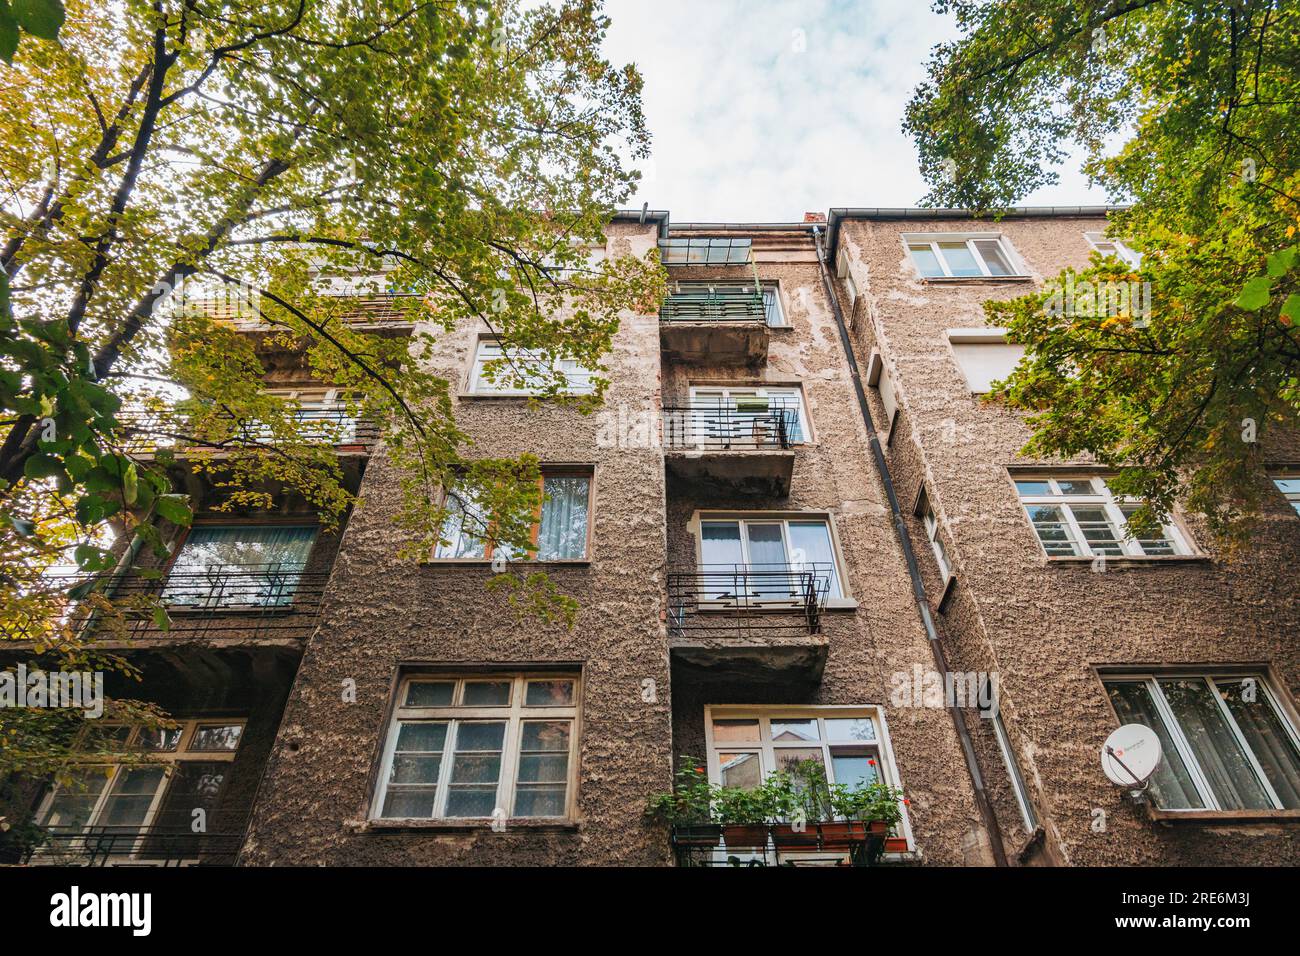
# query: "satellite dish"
{"type": "Point", "coordinates": [1131, 755]}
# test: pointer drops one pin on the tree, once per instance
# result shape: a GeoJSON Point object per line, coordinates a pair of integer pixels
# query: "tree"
{"type": "Point", "coordinates": [1179, 388]}
{"type": "Point", "coordinates": [466, 152]}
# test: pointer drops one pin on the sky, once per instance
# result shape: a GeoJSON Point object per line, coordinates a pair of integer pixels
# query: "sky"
{"type": "Point", "coordinates": [761, 110]}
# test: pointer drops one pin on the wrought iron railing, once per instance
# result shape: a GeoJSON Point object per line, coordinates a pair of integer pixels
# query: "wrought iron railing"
{"type": "Point", "coordinates": [830, 843]}
{"type": "Point", "coordinates": [250, 602]}
{"type": "Point", "coordinates": [714, 305]}
{"type": "Point", "coordinates": [728, 600]}
{"type": "Point", "coordinates": [731, 427]}
{"type": "Point", "coordinates": [134, 846]}
{"type": "Point", "coordinates": [146, 431]}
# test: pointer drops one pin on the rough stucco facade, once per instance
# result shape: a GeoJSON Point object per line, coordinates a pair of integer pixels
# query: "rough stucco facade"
{"type": "Point", "coordinates": [649, 662]}
{"type": "Point", "coordinates": [1050, 627]}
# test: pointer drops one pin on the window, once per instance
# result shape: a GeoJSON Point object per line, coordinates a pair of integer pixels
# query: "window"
{"type": "Point", "coordinates": [936, 540]}
{"type": "Point", "coordinates": [984, 356]}
{"type": "Point", "coordinates": [1226, 742]}
{"type": "Point", "coordinates": [187, 768]}
{"type": "Point", "coordinates": [960, 256]}
{"type": "Point", "coordinates": [1027, 815]}
{"type": "Point", "coordinates": [1290, 488]}
{"type": "Point", "coordinates": [772, 550]}
{"type": "Point", "coordinates": [741, 410]}
{"type": "Point", "coordinates": [481, 746]}
{"type": "Point", "coordinates": [1113, 247]}
{"type": "Point", "coordinates": [746, 744]}
{"type": "Point", "coordinates": [560, 533]}
{"type": "Point", "coordinates": [322, 413]}
{"type": "Point", "coordinates": [772, 309]}
{"type": "Point", "coordinates": [704, 251]}
{"type": "Point", "coordinates": [842, 271]}
{"type": "Point", "coordinates": [231, 566]}
{"type": "Point", "coordinates": [498, 381]}
{"type": "Point", "coordinates": [1078, 516]}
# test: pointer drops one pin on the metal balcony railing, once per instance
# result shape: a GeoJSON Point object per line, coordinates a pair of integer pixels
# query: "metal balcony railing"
{"type": "Point", "coordinates": [731, 427]}
{"type": "Point", "coordinates": [248, 602]}
{"type": "Point", "coordinates": [134, 846]}
{"type": "Point", "coordinates": [148, 431]}
{"type": "Point", "coordinates": [739, 600]}
{"type": "Point", "coordinates": [744, 304]}
{"type": "Point", "coordinates": [816, 844]}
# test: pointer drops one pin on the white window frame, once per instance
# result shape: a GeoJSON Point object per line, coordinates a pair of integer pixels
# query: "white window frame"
{"type": "Point", "coordinates": [1110, 504]}
{"type": "Point", "coordinates": [777, 306]}
{"type": "Point", "coordinates": [935, 239]}
{"type": "Point", "coordinates": [728, 392]}
{"type": "Point", "coordinates": [766, 748]}
{"type": "Point", "coordinates": [1118, 248]}
{"type": "Point", "coordinates": [1292, 497]}
{"type": "Point", "coordinates": [547, 471]}
{"type": "Point", "coordinates": [513, 714]}
{"type": "Point", "coordinates": [838, 581]}
{"type": "Point", "coordinates": [322, 399]}
{"type": "Point", "coordinates": [934, 533]}
{"type": "Point", "coordinates": [1152, 681]}
{"type": "Point", "coordinates": [1027, 815]}
{"type": "Point", "coordinates": [960, 339]}
{"type": "Point", "coordinates": [580, 379]}
{"type": "Point", "coordinates": [169, 760]}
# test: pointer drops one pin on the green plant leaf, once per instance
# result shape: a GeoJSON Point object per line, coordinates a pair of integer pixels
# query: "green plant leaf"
{"type": "Point", "coordinates": [1281, 261]}
{"type": "Point", "coordinates": [8, 45]}
{"type": "Point", "coordinates": [40, 18]}
{"type": "Point", "coordinates": [89, 557]}
{"type": "Point", "coordinates": [42, 466]}
{"type": "Point", "coordinates": [130, 484]}
{"type": "Point", "coordinates": [160, 618]}
{"type": "Point", "coordinates": [1291, 307]}
{"type": "Point", "coordinates": [1255, 294]}
{"type": "Point", "coordinates": [175, 508]}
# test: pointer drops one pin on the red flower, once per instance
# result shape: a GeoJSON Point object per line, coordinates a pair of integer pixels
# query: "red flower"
{"type": "Point", "coordinates": [699, 770]}
{"type": "Point", "coordinates": [871, 762]}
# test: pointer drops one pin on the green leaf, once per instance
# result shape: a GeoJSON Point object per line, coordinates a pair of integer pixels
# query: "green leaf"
{"type": "Point", "coordinates": [40, 18]}
{"type": "Point", "coordinates": [42, 466]}
{"type": "Point", "coordinates": [92, 558]}
{"type": "Point", "coordinates": [130, 484]}
{"type": "Point", "coordinates": [1291, 307]}
{"type": "Point", "coordinates": [160, 618]}
{"type": "Point", "coordinates": [1254, 295]}
{"type": "Point", "coordinates": [8, 44]}
{"type": "Point", "coordinates": [23, 526]}
{"type": "Point", "coordinates": [1280, 261]}
{"type": "Point", "coordinates": [175, 508]}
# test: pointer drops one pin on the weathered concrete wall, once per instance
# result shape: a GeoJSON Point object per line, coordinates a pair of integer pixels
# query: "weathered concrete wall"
{"type": "Point", "coordinates": [382, 612]}
{"type": "Point", "coordinates": [1044, 627]}
{"type": "Point", "coordinates": [834, 474]}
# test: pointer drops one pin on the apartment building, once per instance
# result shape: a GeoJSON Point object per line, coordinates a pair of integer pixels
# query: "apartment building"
{"type": "Point", "coordinates": [755, 591]}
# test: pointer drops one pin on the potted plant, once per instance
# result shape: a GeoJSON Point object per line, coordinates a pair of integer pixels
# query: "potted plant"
{"type": "Point", "coordinates": [19, 839]}
{"type": "Point", "coordinates": [744, 815]}
{"type": "Point", "coordinates": [688, 807]}
{"type": "Point", "coordinates": [801, 797]}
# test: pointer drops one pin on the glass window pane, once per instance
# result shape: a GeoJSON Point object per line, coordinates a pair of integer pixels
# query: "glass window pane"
{"type": "Point", "coordinates": [1221, 758]}
{"type": "Point", "coordinates": [925, 260]}
{"type": "Point", "coordinates": [720, 543]}
{"type": "Point", "coordinates": [854, 769]}
{"type": "Point", "coordinates": [543, 768]}
{"type": "Point", "coordinates": [563, 532]}
{"type": "Point", "coordinates": [811, 541]}
{"type": "Point", "coordinates": [485, 693]}
{"type": "Point", "coordinates": [462, 530]}
{"type": "Point", "coordinates": [1172, 786]}
{"type": "Point", "coordinates": [132, 794]}
{"type": "Point", "coordinates": [425, 693]}
{"type": "Point", "coordinates": [850, 728]}
{"type": "Point", "coordinates": [994, 258]}
{"type": "Point", "coordinates": [1266, 735]}
{"type": "Point", "coordinates": [540, 800]}
{"type": "Point", "coordinates": [1152, 546]}
{"type": "Point", "coordinates": [230, 566]}
{"type": "Point", "coordinates": [1102, 536]}
{"type": "Point", "coordinates": [740, 770]}
{"type": "Point", "coordinates": [796, 728]}
{"type": "Point", "coordinates": [1076, 486]}
{"type": "Point", "coordinates": [1052, 529]}
{"type": "Point", "coordinates": [549, 693]}
{"type": "Point", "coordinates": [788, 758]}
{"type": "Point", "coordinates": [401, 803]}
{"type": "Point", "coordinates": [210, 737]}
{"type": "Point", "coordinates": [421, 737]}
{"type": "Point", "coordinates": [73, 803]}
{"type": "Point", "coordinates": [959, 258]}
{"type": "Point", "coordinates": [727, 731]}
{"type": "Point", "coordinates": [480, 735]}
{"type": "Point", "coordinates": [160, 739]}
{"type": "Point", "coordinates": [1033, 488]}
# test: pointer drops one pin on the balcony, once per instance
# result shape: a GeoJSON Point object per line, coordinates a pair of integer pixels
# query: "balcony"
{"type": "Point", "coordinates": [715, 324]}
{"type": "Point", "coordinates": [743, 447]}
{"type": "Point", "coordinates": [223, 604]}
{"type": "Point", "coordinates": [750, 622]}
{"type": "Point", "coordinates": [146, 432]}
{"type": "Point", "coordinates": [820, 843]}
{"type": "Point", "coordinates": [134, 846]}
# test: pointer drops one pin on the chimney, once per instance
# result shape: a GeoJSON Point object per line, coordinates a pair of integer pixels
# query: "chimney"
{"type": "Point", "coordinates": [814, 217]}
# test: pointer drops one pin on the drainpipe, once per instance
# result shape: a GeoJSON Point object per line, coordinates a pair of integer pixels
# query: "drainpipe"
{"type": "Point", "coordinates": [913, 570]}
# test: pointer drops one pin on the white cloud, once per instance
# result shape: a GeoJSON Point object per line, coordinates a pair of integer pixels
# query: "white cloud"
{"type": "Point", "coordinates": [748, 128]}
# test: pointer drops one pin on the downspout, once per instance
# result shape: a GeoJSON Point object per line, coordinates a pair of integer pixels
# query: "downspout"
{"type": "Point", "coordinates": [913, 570]}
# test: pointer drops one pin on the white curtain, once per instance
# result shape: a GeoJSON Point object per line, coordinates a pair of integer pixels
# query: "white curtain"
{"type": "Point", "coordinates": [563, 534]}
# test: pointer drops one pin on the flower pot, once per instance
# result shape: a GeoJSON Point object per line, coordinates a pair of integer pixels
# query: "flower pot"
{"type": "Point", "coordinates": [896, 845]}
{"type": "Point", "coordinates": [745, 835]}
{"type": "Point", "coordinates": [697, 834]}
{"type": "Point", "coordinates": [785, 835]}
{"type": "Point", "coordinates": [838, 834]}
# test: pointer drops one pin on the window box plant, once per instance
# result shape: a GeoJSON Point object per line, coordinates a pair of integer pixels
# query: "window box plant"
{"type": "Point", "coordinates": [744, 814]}
{"type": "Point", "coordinates": [688, 807]}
